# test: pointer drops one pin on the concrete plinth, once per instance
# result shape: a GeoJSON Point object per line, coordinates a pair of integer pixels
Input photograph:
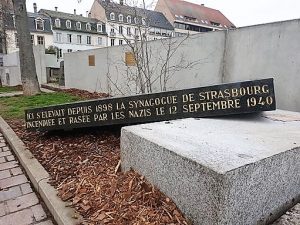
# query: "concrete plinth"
{"type": "Point", "coordinates": [231, 170]}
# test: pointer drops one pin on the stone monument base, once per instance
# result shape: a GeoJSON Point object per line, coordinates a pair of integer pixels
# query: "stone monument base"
{"type": "Point", "coordinates": [228, 170]}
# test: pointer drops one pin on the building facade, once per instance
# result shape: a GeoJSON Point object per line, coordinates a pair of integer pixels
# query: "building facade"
{"type": "Point", "coordinates": [39, 27]}
{"type": "Point", "coordinates": [190, 18]}
{"type": "Point", "coordinates": [72, 32]}
{"type": "Point", "coordinates": [127, 24]}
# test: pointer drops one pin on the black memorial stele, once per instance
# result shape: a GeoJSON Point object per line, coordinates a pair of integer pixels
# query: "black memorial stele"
{"type": "Point", "coordinates": [217, 100]}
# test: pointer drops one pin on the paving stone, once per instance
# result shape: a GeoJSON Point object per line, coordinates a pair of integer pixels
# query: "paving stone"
{"type": "Point", "coordinates": [2, 160]}
{"type": "Point", "coordinates": [10, 158]}
{"type": "Point", "coordinates": [10, 193]}
{"type": "Point", "coordinates": [24, 217]}
{"type": "Point", "coordinates": [4, 149]}
{"type": "Point", "coordinates": [4, 174]}
{"type": "Point", "coordinates": [26, 188]}
{"type": "Point", "coordinates": [2, 141]}
{"type": "Point", "coordinates": [16, 171]}
{"type": "Point", "coordinates": [48, 222]}
{"type": "Point", "coordinates": [2, 209]}
{"type": "Point", "coordinates": [8, 165]}
{"type": "Point", "coordinates": [13, 181]}
{"type": "Point", "coordinates": [2, 154]}
{"type": "Point", "coordinates": [38, 212]}
{"type": "Point", "coordinates": [22, 202]}
{"type": "Point", "coordinates": [2, 145]}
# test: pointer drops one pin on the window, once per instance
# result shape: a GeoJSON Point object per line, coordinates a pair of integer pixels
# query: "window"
{"type": "Point", "coordinates": [99, 27]}
{"type": "Point", "coordinates": [88, 26]}
{"type": "Point", "coordinates": [120, 30]}
{"type": "Point", "coordinates": [78, 26]}
{"type": "Point", "coordinates": [16, 40]}
{"type": "Point", "coordinates": [99, 40]}
{"type": "Point", "coordinates": [69, 38]}
{"type": "Point", "coordinates": [214, 23]}
{"type": "Point", "coordinates": [128, 19]}
{"type": "Point", "coordinates": [112, 31]}
{"type": "Point", "coordinates": [88, 40]}
{"type": "Point", "coordinates": [14, 20]}
{"type": "Point", "coordinates": [128, 31]}
{"type": "Point", "coordinates": [39, 24]}
{"type": "Point", "coordinates": [112, 42]}
{"type": "Point", "coordinates": [120, 42]}
{"type": "Point", "coordinates": [58, 37]}
{"type": "Point", "coordinates": [121, 18]}
{"type": "Point", "coordinates": [32, 39]}
{"type": "Point", "coordinates": [57, 22]}
{"type": "Point", "coordinates": [135, 20]}
{"type": "Point", "coordinates": [79, 38]}
{"type": "Point", "coordinates": [136, 31]}
{"type": "Point", "coordinates": [68, 24]}
{"type": "Point", "coordinates": [60, 54]}
{"type": "Point", "coordinates": [69, 50]}
{"type": "Point", "coordinates": [112, 16]}
{"type": "Point", "coordinates": [40, 40]}
{"type": "Point", "coordinates": [143, 21]}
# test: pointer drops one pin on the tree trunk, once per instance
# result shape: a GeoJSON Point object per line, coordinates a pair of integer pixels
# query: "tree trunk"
{"type": "Point", "coordinates": [27, 63]}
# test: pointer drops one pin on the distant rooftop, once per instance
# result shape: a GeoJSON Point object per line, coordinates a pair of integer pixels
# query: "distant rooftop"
{"type": "Point", "coordinates": [68, 16]}
{"type": "Point", "coordinates": [200, 14]}
{"type": "Point", "coordinates": [155, 19]}
{"type": "Point", "coordinates": [74, 18]}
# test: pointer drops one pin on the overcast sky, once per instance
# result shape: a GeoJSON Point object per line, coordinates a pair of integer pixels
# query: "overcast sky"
{"type": "Point", "coordinates": [239, 12]}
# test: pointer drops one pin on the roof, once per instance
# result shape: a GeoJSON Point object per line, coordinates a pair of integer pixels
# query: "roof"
{"type": "Point", "coordinates": [74, 19]}
{"type": "Point", "coordinates": [68, 16]}
{"type": "Point", "coordinates": [31, 22]}
{"type": "Point", "coordinates": [200, 14]}
{"type": "Point", "coordinates": [32, 25]}
{"type": "Point", "coordinates": [154, 18]}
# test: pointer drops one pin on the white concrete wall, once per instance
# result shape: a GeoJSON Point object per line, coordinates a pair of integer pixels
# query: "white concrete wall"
{"type": "Point", "coordinates": [205, 50]}
{"type": "Point", "coordinates": [51, 61]}
{"type": "Point", "coordinates": [263, 51]}
{"type": "Point", "coordinates": [11, 67]}
{"type": "Point", "coordinates": [256, 52]}
{"type": "Point", "coordinates": [10, 75]}
{"type": "Point", "coordinates": [40, 63]}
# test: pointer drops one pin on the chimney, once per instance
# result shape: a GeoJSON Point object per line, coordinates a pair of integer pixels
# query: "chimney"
{"type": "Point", "coordinates": [55, 8]}
{"type": "Point", "coordinates": [121, 2]}
{"type": "Point", "coordinates": [202, 4]}
{"type": "Point", "coordinates": [87, 13]}
{"type": "Point", "coordinates": [34, 8]}
{"type": "Point", "coordinates": [74, 11]}
{"type": "Point", "coordinates": [90, 15]}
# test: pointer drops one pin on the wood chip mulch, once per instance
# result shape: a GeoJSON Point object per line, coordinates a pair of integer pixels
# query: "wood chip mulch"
{"type": "Point", "coordinates": [84, 94]}
{"type": "Point", "coordinates": [84, 166]}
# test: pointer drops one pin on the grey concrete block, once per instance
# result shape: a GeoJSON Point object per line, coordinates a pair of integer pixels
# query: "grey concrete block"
{"type": "Point", "coordinates": [231, 170]}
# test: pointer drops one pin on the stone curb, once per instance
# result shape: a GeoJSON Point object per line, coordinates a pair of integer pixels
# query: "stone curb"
{"type": "Point", "coordinates": [63, 215]}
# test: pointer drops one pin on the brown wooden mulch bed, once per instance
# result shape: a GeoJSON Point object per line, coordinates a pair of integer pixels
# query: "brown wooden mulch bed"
{"type": "Point", "coordinates": [84, 166]}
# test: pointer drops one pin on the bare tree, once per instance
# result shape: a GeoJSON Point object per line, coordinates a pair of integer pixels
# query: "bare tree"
{"type": "Point", "coordinates": [27, 63]}
{"type": "Point", "coordinates": [151, 66]}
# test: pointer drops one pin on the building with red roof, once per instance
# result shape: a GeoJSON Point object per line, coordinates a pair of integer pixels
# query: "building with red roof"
{"type": "Point", "coordinates": [187, 17]}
